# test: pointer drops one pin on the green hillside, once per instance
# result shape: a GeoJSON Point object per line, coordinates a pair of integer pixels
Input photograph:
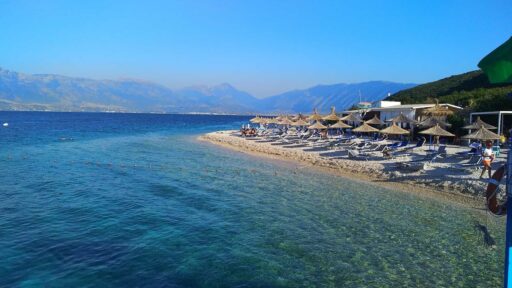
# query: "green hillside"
{"type": "Point", "coordinates": [471, 91]}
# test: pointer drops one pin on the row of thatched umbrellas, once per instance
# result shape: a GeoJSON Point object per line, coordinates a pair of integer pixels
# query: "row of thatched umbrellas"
{"type": "Point", "coordinates": [436, 125]}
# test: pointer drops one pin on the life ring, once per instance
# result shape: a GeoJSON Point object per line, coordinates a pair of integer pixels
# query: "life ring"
{"type": "Point", "coordinates": [491, 195]}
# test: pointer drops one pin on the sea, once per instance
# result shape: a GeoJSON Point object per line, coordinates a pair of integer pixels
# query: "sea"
{"type": "Point", "coordinates": [135, 200]}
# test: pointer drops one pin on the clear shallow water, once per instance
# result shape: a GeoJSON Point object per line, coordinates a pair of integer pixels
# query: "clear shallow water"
{"type": "Point", "coordinates": [98, 200]}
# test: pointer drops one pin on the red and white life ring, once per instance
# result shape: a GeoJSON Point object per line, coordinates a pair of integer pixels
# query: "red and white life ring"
{"type": "Point", "coordinates": [491, 195]}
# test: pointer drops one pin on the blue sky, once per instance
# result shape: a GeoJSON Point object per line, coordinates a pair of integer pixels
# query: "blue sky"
{"type": "Point", "coordinates": [263, 47]}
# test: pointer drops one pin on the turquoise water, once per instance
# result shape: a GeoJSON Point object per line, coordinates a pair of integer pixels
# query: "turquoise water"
{"type": "Point", "coordinates": [124, 200]}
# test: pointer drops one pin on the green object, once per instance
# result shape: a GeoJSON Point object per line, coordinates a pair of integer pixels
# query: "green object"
{"type": "Point", "coordinates": [496, 150]}
{"type": "Point", "coordinates": [498, 64]}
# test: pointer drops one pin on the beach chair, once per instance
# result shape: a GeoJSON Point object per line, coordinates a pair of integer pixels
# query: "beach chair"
{"type": "Point", "coordinates": [441, 150]}
{"type": "Point", "coordinates": [420, 143]}
{"type": "Point", "coordinates": [379, 148]}
{"type": "Point", "coordinates": [369, 147]}
{"type": "Point", "coordinates": [472, 151]}
{"type": "Point", "coordinates": [357, 155]}
{"type": "Point", "coordinates": [402, 144]}
{"type": "Point", "coordinates": [359, 146]}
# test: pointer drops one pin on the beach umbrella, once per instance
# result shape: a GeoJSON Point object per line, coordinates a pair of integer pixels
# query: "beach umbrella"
{"type": "Point", "coordinates": [374, 121]}
{"type": "Point", "coordinates": [299, 117]}
{"type": "Point", "coordinates": [256, 119]}
{"type": "Point", "coordinates": [271, 120]}
{"type": "Point", "coordinates": [332, 116]}
{"type": "Point", "coordinates": [402, 119]}
{"type": "Point", "coordinates": [315, 116]}
{"type": "Point", "coordinates": [351, 118]}
{"type": "Point", "coordinates": [365, 128]}
{"type": "Point", "coordinates": [300, 122]}
{"type": "Point", "coordinates": [394, 130]}
{"type": "Point", "coordinates": [498, 64]}
{"type": "Point", "coordinates": [482, 134]}
{"type": "Point", "coordinates": [437, 110]}
{"type": "Point", "coordinates": [479, 124]}
{"type": "Point", "coordinates": [432, 121]}
{"type": "Point", "coordinates": [317, 125]}
{"type": "Point", "coordinates": [285, 121]}
{"type": "Point", "coordinates": [437, 131]}
{"type": "Point", "coordinates": [340, 125]}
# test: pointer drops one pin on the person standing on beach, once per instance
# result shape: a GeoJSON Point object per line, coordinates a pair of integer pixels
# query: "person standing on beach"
{"type": "Point", "coordinates": [487, 158]}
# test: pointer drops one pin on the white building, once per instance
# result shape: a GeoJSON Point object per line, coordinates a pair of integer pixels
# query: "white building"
{"type": "Point", "coordinates": [386, 110]}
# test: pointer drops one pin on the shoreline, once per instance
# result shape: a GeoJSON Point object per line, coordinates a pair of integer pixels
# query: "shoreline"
{"type": "Point", "coordinates": [368, 172]}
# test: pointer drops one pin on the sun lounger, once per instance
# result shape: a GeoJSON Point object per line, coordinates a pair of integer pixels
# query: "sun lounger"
{"type": "Point", "coordinates": [418, 145]}
{"type": "Point", "coordinates": [358, 155]}
{"type": "Point", "coordinates": [379, 149]}
{"type": "Point", "coordinates": [473, 151]}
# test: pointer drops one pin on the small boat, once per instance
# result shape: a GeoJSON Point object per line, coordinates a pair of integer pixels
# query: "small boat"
{"type": "Point", "coordinates": [5, 124]}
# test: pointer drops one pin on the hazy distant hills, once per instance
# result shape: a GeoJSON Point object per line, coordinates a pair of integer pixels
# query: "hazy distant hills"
{"type": "Point", "coordinates": [20, 91]}
{"type": "Point", "coordinates": [325, 96]}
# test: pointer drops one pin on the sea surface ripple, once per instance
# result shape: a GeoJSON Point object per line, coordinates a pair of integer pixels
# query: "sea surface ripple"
{"type": "Point", "coordinates": [134, 200]}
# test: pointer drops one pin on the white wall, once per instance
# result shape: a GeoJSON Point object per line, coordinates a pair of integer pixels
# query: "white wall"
{"type": "Point", "coordinates": [381, 104]}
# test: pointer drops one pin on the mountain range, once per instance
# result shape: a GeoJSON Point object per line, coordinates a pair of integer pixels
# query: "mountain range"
{"type": "Point", "coordinates": [48, 92]}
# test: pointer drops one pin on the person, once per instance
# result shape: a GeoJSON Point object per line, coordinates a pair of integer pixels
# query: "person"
{"type": "Point", "coordinates": [323, 134]}
{"type": "Point", "coordinates": [487, 158]}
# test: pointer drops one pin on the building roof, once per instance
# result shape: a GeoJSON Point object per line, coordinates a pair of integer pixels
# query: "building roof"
{"type": "Point", "coordinates": [412, 107]}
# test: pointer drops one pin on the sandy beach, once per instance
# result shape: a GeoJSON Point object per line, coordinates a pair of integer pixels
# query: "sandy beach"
{"type": "Point", "coordinates": [440, 179]}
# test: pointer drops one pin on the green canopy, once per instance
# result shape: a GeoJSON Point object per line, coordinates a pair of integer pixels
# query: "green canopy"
{"type": "Point", "coordinates": [498, 64]}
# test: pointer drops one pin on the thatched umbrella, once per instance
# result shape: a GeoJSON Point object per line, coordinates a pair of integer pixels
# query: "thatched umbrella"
{"type": "Point", "coordinates": [402, 119]}
{"type": "Point", "coordinates": [263, 120]}
{"type": "Point", "coordinates": [436, 131]}
{"type": "Point", "coordinates": [482, 134]}
{"type": "Point", "coordinates": [374, 121]}
{"type": "Point", "coordinates": [300, 122]}
{"type": "Point", "coordinates": [479, 124]}
{"type": "Point", "coordinates": [437, 110]}
{"type": "Point", "coordinates": [394, 130]}
{"type": "Point", "coordinates": [317, 125]}
{"type": "Point", "coordinates": [271, 121]}
{"type": "Point", "coordinates": [365, 128]}
{"type": "Point", "coordinates": [351, 118]}
{"type": "Point", "coordinates": [432, 121]}
{"type": "Point", "coordinates": [256, 119]}
{"type": "Point", "coordinates": [315, 116]}
{"type": "Point", "coordinates": [340, 125]}
{"type": "Point", "coordinates": [285, 121]}
{"type": "Point", "coordinates": [299, 117]}
{"type": "Point", "coordinates": [332, 116]}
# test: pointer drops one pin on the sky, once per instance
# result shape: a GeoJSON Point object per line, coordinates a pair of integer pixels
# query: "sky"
{"type": "Point", "coordinates": [262, 47]}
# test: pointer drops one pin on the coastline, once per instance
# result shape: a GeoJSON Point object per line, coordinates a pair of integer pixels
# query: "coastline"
{"type": "Point", "coordinates": [371, 172]}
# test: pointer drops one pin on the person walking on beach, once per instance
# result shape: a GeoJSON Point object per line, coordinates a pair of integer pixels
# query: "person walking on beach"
{"type": "Point", "coordinates": [487, 158]}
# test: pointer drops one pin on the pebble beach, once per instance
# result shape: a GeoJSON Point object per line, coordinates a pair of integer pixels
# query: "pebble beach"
{"type": "Point", "coordinates": [443, 178]}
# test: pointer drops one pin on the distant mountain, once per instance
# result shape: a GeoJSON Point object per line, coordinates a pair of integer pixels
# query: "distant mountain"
{"type": "Point", "coordinates": [20, 91]}
{"type": "Point", "coordinates": [49, 92]}
{"type": "Point", "coordinates": [325, 96]}
{"type": "Point", "coordinates": [471, 90]}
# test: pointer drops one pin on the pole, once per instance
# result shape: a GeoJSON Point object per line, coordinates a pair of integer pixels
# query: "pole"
{"type": "Point", "coordinates": [470, 122]}
{"type": "Point", "coordinates": [508, 241]}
